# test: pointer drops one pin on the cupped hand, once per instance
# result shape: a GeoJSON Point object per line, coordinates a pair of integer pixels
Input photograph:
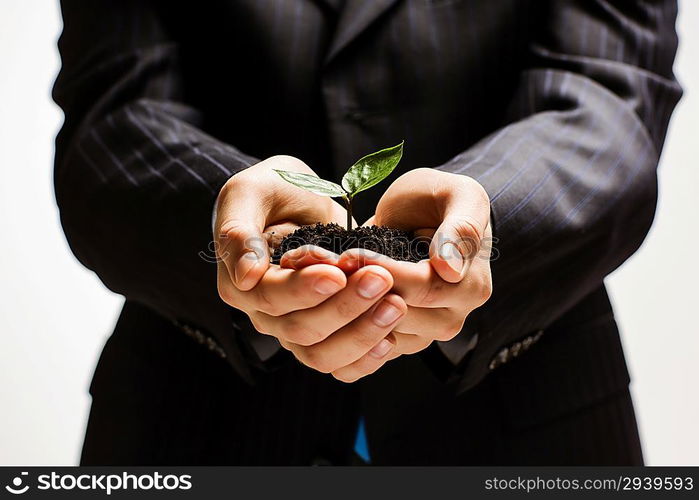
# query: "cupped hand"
{"type": "Point", "coordinates": [440, 292]}
{"type": "Point", "coordinates": [300, 307]}
{"type": "Point", "coordinates": [257, 203]}
{"type": "Point", "coordinates": [349, 335]}
{"type": "Point", "coordinates": [454, 210]}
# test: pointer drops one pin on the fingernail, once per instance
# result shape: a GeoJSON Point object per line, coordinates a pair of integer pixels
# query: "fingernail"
{"type": "Point", "coordinates": [381, 349]}
{"type": "Point", "coordinates": [386, 313]}
{"type": "Point", "coordinates": [450, 253]}
{"type": "Point", "coordinates": [371, 285]}
{"type": "Point", "coordinates": [326, 286]}
{"type": "Point", "coordinates": [246, 262]}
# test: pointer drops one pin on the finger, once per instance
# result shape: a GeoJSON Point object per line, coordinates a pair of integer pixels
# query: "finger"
{"type": "Point", "coordinates": [416, 282]}
{"type": "Point", "coordinates": [240, 219]}
{"type": "Point", "coordinates": [281, 291]}
{"type": "Point", "coordinates": [363, 336]}
{"type": "Point", "coordinates": [455, 244]}
{"type": "Point", "coordinates": [307, 255]}
{"type": "Point", "coordinates": [369, 363]}
{"type": "Point", "coordinates": [226, 289]}
{"type": "Point", "coordinates": [465, 224]}
{"type": "Point", "coordinates": [310, 326]}
{"type": "Point", "coordinates": [435, 323]}
{"type": "Point", "coordinates": [457, 205]}
{"type": "Point", "coordinates": [409, 344]}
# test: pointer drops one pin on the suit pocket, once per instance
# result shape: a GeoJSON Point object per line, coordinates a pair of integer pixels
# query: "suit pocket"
{"type": "Point", "coordinates": [569, 369]}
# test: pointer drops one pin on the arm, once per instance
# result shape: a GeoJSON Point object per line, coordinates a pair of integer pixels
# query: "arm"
{"type": "Point", "coordinates": [572, 178]}
{"type": "Point", "coordinates": [135, 175]}
{"type": "Point", "coordinates": [137, 179]}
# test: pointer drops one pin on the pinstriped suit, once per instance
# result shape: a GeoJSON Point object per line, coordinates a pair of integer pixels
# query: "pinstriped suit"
{"type": "Point", "coordinates": [559, 108]}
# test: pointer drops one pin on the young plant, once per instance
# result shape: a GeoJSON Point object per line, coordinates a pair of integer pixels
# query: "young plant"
{"type": "Point", "coordinates": [365, 173]}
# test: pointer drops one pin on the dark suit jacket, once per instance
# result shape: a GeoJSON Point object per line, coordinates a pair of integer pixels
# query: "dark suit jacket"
{"type": "Point", "coordinates": [559, 108]}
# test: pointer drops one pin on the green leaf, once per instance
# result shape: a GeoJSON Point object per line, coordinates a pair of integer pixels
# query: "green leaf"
{"type": "Point", "coordinates": [312, 183]}
{"type": "Point", "coordinates": [371, 169]}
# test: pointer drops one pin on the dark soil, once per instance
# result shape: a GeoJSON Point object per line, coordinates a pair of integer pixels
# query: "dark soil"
{"type": "Point", "coordinates": [394, 243]}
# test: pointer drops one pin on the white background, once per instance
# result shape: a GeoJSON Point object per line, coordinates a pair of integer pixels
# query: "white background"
{"type": "Point", "coordinates": [55, 315]}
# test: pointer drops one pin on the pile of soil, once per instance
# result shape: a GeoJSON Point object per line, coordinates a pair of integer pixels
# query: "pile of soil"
{"type": "Point", "coordinates": [394, 243]}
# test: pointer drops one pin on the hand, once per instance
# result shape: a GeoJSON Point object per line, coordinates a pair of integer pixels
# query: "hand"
{"type": "Point", "coordinates": [440, 293]}
{"type": "Point", "coordinates": [257, 205]}
{"type": "Point", "coordinates": [300, 307]}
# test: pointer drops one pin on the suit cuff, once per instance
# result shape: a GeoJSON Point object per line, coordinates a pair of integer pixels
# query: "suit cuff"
{"type": "Point", "coordinates": [448, 360]}
{"type": "Point", "coordinates": [456, 349]}
{"type": "Point", "coordinates": [263, 351]}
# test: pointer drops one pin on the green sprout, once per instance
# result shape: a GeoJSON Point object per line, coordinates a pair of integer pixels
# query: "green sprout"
{"type": "Point", "coordinates": [365, 173]}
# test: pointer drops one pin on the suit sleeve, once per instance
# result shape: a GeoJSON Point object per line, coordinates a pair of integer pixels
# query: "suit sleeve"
{"type": "Point", "coordinates": [136, 176]}
{"type": "Point", "coordinates": [572, 173]}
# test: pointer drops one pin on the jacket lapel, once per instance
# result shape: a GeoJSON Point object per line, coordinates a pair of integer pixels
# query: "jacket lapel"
{"type": "Point", "coordinates": [355, 17]}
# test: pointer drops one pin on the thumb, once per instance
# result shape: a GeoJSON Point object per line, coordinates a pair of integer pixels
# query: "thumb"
{"type": "Point", "coordinates": [240, 222]}
{"type": "Point", "coordinates": [455, 244]}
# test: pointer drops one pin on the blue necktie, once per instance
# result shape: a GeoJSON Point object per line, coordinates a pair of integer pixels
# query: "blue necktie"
{"type": "Point", "coordinates": [361, 447]}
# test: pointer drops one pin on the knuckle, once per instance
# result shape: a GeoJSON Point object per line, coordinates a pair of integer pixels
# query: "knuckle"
{"type": "Point", "coordinates": [420, 172]}
{"type": "Point", "coordinates": [233, 230]}
{"type": "Point", "coordinates": [414, 176]}
{"type": "Point", "coordinates": [467, 188]}
{"type": "Point", "coordinates": [226, 292]}
{"type": "Point", "coordinates": [314, 358]}
{"type": "Point", "coordinates": [347, 308]}
{"type": "Point", "coordinates": [282, 159]}
{"type": "Point", "coordinates": [290, 330]}
{"type": "Point", "coordinates": [242, 182]}
{"type": "Point", "coordinates": [264, 303]}
{"type": "Point", "coordinates": [300, 334]}
{"type": "Point", "coordinates": [414, 347]}
{"type": "Point", "coordinates": [451, 330]}
{"type": "Point", "coordinates": [483, 287]}
{"type": "Point", "coordinates": [232, 184]}
{"type": "Point", "coordinates": [366, 336]}
{"type": "Point", "coordinates": [442, 336]}
{"type": "Point", "coordinates": [476, 191]}
{"type": "Point", "coordinates": [288, 162]}
{"type": "Point", "coordinates": [482, 194]}
{"type": "Point", "coordinates": [486, 290]}
{"type": "Point", "coordinates": [345, 377]}
{"type": "Point", "coordinates": [258, 324]}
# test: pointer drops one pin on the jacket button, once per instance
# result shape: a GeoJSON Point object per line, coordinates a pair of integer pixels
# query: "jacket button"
{"type": "Point", "coordinates": [508, 353]}
{"type": "Point", "coordinates": [500, 358]}
{"type": "Point", "coordinates": [515, 349]}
